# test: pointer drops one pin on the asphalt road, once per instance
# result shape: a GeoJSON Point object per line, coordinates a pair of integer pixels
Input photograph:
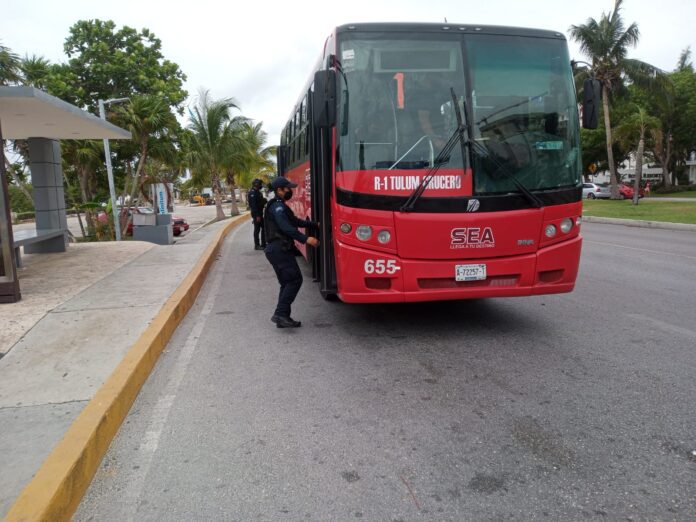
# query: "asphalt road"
{"type": "Point", "coordinates": [568, 407]}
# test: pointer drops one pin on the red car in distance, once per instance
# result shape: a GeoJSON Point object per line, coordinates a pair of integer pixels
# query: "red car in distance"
{"type": "Point", "coordinates": [179, 224]}
{"type": "Point", "coordinates": [626, 191]}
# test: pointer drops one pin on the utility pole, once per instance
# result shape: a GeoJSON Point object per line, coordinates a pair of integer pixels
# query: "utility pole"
{"type": "Point", "coordinates": [109, 170]}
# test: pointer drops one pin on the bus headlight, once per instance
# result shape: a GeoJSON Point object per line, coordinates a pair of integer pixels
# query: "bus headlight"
{"type": "Point", "coordinates": [550, 230]}
{"type": "Point", "coordinates": [363, 232]}
{"type": "Point", "coordinates": [384, 237]}
{"type": "Point", "coordinates": [566, 225]}
{"type": "Point", "coordinates": [346, 228]}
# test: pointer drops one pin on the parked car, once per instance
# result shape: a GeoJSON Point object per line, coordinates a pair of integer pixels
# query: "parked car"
{"type": "Point", "coordinates": [179, 224]}
{"type": "Point", "coordinates": [627, 191]}
{"type": "Point", "coordinates": [595, 191]}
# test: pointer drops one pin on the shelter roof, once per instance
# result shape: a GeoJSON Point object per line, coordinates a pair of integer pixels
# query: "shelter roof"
{"type": "Point", "coordinates": [27, 112]}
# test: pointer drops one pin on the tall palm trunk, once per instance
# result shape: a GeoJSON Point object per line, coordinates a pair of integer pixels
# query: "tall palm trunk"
{"type": "Point", "coordinates": [79, 220]}
{"type": "Point", "coordinates": [219, 214]}
{"type": "Point", "coordinates": [84, 174]}
{"type": "Point", "coordinates": [127, 217]}
{"type": "Point", "coordinates": [18, 181]}
{"type": "Point", "coordinates": [610, 152]}
{"type": "Point", "coordinates": [666, 160]}
{"type": "Point", "coordinates": [234, 208]}
{"type": "Point", "coordinates": [639, 167]}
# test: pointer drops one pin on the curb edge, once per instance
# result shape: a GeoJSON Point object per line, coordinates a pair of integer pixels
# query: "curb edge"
{"type": "Point", "coordinates": [665, 225]}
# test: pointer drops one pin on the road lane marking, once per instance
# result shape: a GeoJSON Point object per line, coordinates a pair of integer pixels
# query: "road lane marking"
{"type": "Point", "coordinates": [639, 249]}
{"type": "Point", "coordinates": [160, 413]}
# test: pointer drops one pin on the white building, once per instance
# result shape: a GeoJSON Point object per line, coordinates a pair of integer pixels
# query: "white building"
{"type": "Point", "coordinates": [627, 172]}
{"type": "Point", "coordinates": [692, 167]}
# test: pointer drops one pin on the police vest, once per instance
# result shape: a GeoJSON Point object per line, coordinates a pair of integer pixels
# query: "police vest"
{"type": "Point", "coordinates": [271, 228]}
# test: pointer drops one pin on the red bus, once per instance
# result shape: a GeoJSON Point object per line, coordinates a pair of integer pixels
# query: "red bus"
{"type": "Point", "coordinates": [442, 160]}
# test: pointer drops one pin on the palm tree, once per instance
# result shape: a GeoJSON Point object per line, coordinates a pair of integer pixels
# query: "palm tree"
{"type": "Point", "coordinates": [636, 126]}
{"type": "Point", "coordinates": [10, 67]}
{"type": "Point", "coordinates": [36, 71]}
{"type": "Point", "coordinates": [684, 63]}
{"type": "Point", "coordinates": [606, 43]}
{"type": "Point", "coordinates": [84, 157]}
{"type": "Point", "coordinates": [150, 121]}
{"type": "Point", "coordinates": [215, 143]}
{"type": "Point", "coordinates": [254, 162]}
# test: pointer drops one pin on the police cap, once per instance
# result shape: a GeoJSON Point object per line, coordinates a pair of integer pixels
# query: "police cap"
{"type": "Point", "coordinates": [281, 182]}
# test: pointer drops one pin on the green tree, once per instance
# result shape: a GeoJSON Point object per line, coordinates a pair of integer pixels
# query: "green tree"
{"type": "Point", "coordinates": [106, 62]}
{"type": "Point", "coordinates": [10, 67]}
{"type": "Point", "coordinates": [215, 143]}
{"type": "Point", "coordinates": [151, 124]}
{"type": "Point", "coordinates": [36, 71]}
{"type": "Point", "coordinates": [634, 129]}
{"type": "Point", "coordinates": [684, 63]}
{"type": "Point", "coordinates": [606, 43]}
{"type": "Point", "coordinates": [684, 135]}
{"type": "Point", "coordinates": [255, 160]}
{"type": "Point", "coordinates": [81, 160]}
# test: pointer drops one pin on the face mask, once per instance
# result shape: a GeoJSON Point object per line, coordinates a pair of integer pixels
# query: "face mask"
{"type": "Point", "coordinates": [287, 195]}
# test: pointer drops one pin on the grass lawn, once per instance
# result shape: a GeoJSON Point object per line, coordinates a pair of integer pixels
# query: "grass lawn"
{"type": "Point", "coordinates": [647, 209]}
{"type": "Point", "coordinates": [687, 194]}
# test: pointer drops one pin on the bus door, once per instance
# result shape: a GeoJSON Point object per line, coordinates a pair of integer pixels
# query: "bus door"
{"type": "Point", "coordinates": [322, 259]}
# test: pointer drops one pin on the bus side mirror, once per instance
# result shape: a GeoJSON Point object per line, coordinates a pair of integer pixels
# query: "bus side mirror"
{"type": "Point", "coordinates": [324, 99]}
{"type": "Point", "coordinates": [282, 154]}
{"type": "Point", "coordinates": [591, 93]}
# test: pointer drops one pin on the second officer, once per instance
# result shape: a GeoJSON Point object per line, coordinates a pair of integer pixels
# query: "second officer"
{"type": "Point", "coordinates": [281, 233]}
{"type": "Point", "coordinates": [256, 203]}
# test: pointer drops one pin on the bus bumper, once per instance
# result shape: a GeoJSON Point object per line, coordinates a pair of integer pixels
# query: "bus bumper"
{"type": "Point", "coordinates": [550, 270]}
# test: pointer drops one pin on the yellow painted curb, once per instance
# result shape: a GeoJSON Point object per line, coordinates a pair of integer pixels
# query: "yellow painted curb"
{"type": "Point", "coordinates": [57, 488]}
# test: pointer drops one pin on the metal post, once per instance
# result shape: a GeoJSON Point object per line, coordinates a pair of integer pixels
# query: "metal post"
{"type": "Point", "coordinates": [109, 171]}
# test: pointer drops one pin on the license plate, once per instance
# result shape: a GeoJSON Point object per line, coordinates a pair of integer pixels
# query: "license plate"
{"type": "Point", "coordinates": [470, 272]}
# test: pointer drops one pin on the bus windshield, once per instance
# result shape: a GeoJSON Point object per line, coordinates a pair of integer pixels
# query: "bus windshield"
{"type": "Point", "coordinates": [396, 108]}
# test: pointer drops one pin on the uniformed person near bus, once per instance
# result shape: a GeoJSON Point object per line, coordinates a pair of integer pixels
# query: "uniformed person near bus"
{"type": "Point", "coordinates": [257, 202]}
{"type": "Point", "coordinates": [281, 233]}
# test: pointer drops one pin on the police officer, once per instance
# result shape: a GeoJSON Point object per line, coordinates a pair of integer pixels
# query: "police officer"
{"type": "Point", "coordinates": [281, 233]}
{"type": "Point", "coordinates": [256, 202]}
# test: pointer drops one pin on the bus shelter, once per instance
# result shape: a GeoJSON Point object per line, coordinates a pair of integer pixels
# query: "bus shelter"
{"type": "Point", "coordinates": [30, 114]}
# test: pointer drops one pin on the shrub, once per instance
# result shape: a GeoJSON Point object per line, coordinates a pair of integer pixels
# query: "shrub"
{"type": "Point", "coordinates": [19, 203]}
{"type": "Point", "coordinates": [661, 189]}
{"type": "Point", "coordinates": [21, 216]}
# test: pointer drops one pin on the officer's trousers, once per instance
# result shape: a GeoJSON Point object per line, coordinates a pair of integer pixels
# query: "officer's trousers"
{"type": "Point", "coordinates": [258, 228]}
{"type": "Point", "coordinates": [288, 273]}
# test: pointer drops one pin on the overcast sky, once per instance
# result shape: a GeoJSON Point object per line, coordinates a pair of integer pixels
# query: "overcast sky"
{"type": "Point", "coordinates": [261, 52]}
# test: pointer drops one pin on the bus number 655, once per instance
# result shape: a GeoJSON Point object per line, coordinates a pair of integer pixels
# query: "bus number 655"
{"type": "Point", "coordinates": [381, 266]}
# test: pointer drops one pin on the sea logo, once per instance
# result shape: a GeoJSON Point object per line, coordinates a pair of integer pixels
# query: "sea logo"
{"type": "Point", "coordinates": [473, 205]}
{"type": "Point", "coordinates": [472, 237]}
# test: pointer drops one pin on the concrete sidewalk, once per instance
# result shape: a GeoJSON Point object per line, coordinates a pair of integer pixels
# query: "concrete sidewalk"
{"type": "Point", "coordinates": [57, 366]}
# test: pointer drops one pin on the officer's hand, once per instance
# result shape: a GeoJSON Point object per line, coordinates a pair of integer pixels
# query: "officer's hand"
{"type": "Point", "coordinates": [313, 241]}
{"type": "Point", "coordinates": [258, 219]}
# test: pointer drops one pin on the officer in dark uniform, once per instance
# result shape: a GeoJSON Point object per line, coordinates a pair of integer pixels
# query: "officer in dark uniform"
{"type": "Point", "coordinates": [256, 202]}
{"type": "Point", "coordinates": [281, 233]}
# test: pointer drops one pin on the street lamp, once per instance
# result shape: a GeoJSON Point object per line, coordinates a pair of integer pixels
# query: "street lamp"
{"type": "Point", "coordinates": [109, 170]}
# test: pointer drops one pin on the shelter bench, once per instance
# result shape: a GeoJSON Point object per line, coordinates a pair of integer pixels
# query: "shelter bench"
{"type": "Point", "coordinates": [28, 237]}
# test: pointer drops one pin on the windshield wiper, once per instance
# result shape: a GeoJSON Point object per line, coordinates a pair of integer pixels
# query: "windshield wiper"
{"type": "Point", "coordinates": [473, 147]}
{"type": "Point", "coordinates": [483, 153]}
{"type": "Point", "coordinates": [442, 158]}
